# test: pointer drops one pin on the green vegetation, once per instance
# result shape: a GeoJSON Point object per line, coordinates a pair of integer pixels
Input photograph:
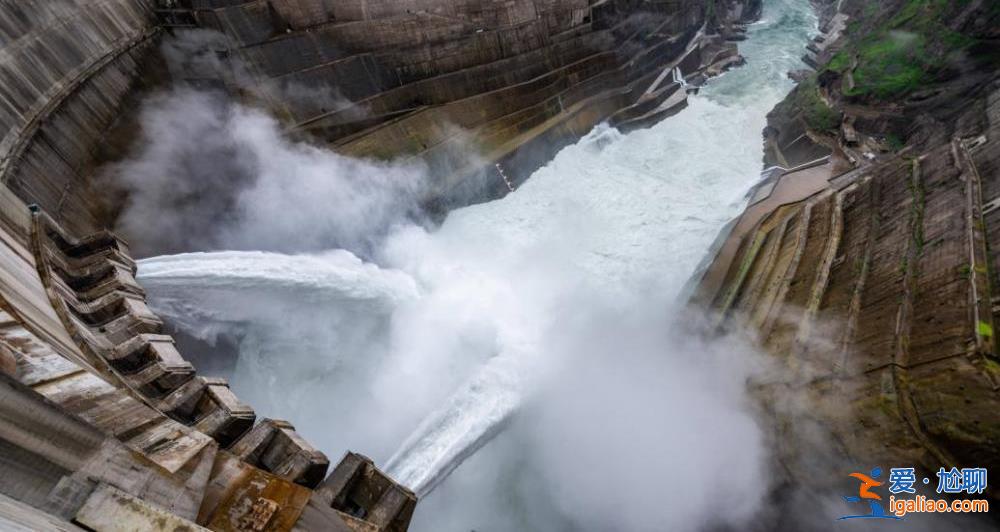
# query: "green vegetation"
{"type": "Point", "coordinates": [839, 62]}
{"type": "Point", "coordinates": [992, 367]}
{"type": "Point", "coordinates": [929, 17]}
{"type": "Point", "coordinates": [891, 65]}
{"type": "Point", "coordinates": [894, 141]}
{"type": "Point", "coordinates": [817, 114]}
{"type": "Point", "coordinates": [904, 53]}
{"type": "Point", "coordinates": [925, 15]}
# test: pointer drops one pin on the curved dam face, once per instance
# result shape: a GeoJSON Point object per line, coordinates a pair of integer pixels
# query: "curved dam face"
{"type": "Point", "coordinates": [67, 69]}
{"type": "Point", "coordinates": [107, 425]}
{"type": "Point", "coordinates": [281, 265]}
{"type": "Point", "coordinates": [460, 86]}
{"type": "Point", "coordinates": [473, 342]}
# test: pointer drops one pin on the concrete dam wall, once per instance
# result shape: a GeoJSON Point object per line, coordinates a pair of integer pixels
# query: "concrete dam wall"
{"type": "Point", "coordinates": [461, 86]}
{"type": "Point", "coordinates": [866, 260]}
{"type": "Point", "coordinates": [105, 424]}
{"type": "Point", "coordinates": [66, 68]}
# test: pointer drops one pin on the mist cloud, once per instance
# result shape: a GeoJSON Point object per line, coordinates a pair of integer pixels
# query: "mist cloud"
{"type": "Point", "coordinates": [531, 318]}
{"type": "Point", "coordinates": [645, 426]}
{"type": "Point", "coordinates": [208, 57]}
{"type": "Point", "coordinates": [208, 172]}
{"type": "Point", "coordinates": [551, 314]}
{"type": "Point", "coordinates": [214, 174]}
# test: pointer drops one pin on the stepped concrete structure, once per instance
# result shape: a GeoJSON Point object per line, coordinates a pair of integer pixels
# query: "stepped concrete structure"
{"type": "Point", "coordinates": [870, 270]}
{"type": "Point", "coordinates": [104, 425]}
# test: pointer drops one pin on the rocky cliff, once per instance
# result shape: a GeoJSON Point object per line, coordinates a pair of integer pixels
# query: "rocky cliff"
{"type": "Point", "coordinates": [866, 261]}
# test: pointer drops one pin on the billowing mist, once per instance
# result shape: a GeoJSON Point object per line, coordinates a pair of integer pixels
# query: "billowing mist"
{"type": "Point", "coordinates": [211, 173]}
{"type": "Point", "coordinates": [528, 364]}
{"type": "Point", "coordinates": [645, 427]}
{"type": "Point", "coordinates": [539, 318]}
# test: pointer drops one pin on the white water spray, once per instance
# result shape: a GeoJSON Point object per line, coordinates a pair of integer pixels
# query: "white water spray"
{"type": "Point", "coordinates": [446, 338]}
{"type": "Point", "coordinates": [472, 416]}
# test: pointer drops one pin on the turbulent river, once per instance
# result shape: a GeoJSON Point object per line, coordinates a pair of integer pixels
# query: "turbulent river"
{"type": "Point", "coordinates": [523, 360]}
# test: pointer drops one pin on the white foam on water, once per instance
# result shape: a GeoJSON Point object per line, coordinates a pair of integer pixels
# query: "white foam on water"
{"type": "Point", "coordinates": [423, 356]}
{"type": "Point", "coordinates": [625, 214]}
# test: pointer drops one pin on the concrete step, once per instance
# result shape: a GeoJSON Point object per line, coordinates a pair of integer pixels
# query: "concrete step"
{"type": "Point", "coordinates": [273, 445]}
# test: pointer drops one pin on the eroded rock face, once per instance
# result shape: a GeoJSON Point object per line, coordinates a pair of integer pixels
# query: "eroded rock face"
{"type": "Point", "coordinates": [875, 290]}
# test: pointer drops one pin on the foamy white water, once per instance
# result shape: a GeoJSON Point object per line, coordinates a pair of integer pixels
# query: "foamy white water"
{"type": "Point", "coordinates": [188, 286]}
{"type": "Point", "coordinates": [423, 359]}
{"type": "Point", "coordinates": [635, 212]}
